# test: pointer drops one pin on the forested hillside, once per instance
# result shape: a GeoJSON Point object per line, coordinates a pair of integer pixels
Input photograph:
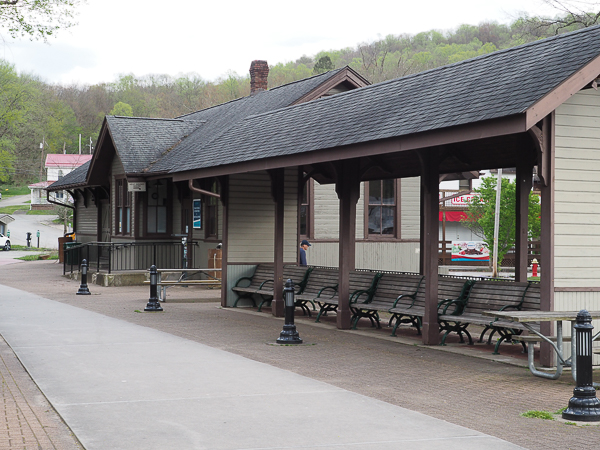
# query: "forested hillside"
{"type": "Point", "coordinates": [32, 111]}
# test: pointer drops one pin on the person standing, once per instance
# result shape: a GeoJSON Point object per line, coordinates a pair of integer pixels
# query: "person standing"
{"type": "Point", "coordinates": [303, 247]}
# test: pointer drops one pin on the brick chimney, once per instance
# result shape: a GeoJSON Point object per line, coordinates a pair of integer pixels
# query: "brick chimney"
{"type": "Point", "coordinates": [259, 71]}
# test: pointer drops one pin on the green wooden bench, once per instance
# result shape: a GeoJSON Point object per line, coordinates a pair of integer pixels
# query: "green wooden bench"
{"type": "Point", "coordinates": [299, 276]}
{"type": "Point", "coordinates": [390, 287]}
{"type": "Point", "coordinates": [320, 281]}
{"type": "Point", "coordinates": [410, 310]}
{"type": "Point", "coordinates": [485, 295]}
{"type": "Point", "coordinates": [360, 282]}
{"type": "Point", "coordinates": [247, 287]}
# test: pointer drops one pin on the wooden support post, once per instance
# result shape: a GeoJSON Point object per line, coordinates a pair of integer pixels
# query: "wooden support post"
{"type": "Point", "coordinates": [277, 191]}
{"type": "Point", "coordinates": [547, 356]}
{"type": "Point", "coordinates": [347, 188]}
{"type": "Point", "coordinates": [224, 198]}
{"type": "Point", "coordinates": [524, 182]}
{"type": "Point", "coordinates": [430, 207]}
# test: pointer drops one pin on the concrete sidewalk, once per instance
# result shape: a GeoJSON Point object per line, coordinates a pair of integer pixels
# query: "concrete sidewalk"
{"type": "Point", "coordinates": [123, 386]}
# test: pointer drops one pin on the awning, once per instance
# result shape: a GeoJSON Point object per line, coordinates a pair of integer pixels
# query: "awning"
{"type": "Point", "coordinates": [453, 216]}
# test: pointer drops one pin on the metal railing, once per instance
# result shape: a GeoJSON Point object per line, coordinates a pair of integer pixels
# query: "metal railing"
{"type": "Point", "coordinates": [122, 256]}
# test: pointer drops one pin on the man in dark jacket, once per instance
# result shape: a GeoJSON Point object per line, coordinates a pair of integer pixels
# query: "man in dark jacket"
{"type": "Point", "coordinates": [303, 247]}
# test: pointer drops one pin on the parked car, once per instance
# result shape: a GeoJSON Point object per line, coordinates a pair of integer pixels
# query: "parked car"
{"type": "Point", "coordinates": [4, 242]}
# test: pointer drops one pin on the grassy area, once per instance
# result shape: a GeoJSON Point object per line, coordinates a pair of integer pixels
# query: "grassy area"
{"type": "Point", "coordinates": [41, 212]}
{"type": "Point", "coordinates": [12, 209]}
{"type": "Point", "coordinates": [9, 191]}
{"type": "Point", "coordinates": [45, 256]}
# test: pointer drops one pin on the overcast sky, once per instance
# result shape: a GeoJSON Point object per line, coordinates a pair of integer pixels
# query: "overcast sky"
{"type": "Point", "coordinates": [213, 38]}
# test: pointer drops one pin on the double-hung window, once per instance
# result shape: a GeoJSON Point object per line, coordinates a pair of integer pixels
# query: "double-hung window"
{"type": "Point", "coordinates": [123, 207]}
{"type": "Point", "coordinates": [381, 208]}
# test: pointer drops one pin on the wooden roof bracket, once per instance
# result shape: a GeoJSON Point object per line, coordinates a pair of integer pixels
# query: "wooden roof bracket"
{"type": "Point", "coordinates": [541, 137]}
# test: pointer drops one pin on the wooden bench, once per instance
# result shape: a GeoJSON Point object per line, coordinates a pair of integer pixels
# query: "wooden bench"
{"type": "Point", "coordinates": [321, 281]}
{"type": "Point", "coordinates": [484, 295]}
{"type": "Point", "coordinates": [247, 287]}
{"type": "Point", "coordinates": [512, 331]}
{"type": "Point", "coordinates": [411, 310]}
{"type": "Point", "coordinates": [390, 288]}
{"type": "Point", "coordinates": [360, 283]}
{"type": "Point", "coordinates": [299, 276]}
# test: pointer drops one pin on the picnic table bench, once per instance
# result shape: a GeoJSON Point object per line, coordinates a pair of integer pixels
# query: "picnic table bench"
{"type": "Point", "coordinates": [410, 310]}
{"type": "Point", "coordinates": [485, 295]}
{"type": "Point", "coordinates": [390, 288]}
{"type": "Point", "coordinates": [184, 280]}
{"type": "Point", "coordinates": [361, 283]}
{"type": "Point", "coordinates": [320, 280]}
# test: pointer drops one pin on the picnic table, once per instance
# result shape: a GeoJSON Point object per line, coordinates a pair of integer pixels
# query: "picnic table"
{"type": "Point", "coordinates": [529, 319]}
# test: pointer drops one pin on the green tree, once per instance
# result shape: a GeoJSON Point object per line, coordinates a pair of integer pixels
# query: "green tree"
{"type": "Point", "coordinates": [38, 19]}
{"type": "Point", "coordinates": [324, 64]}
{"type": "Point", "coordinates": [122, 109]}
{"type": "Point", "coordinates": [481, 213]}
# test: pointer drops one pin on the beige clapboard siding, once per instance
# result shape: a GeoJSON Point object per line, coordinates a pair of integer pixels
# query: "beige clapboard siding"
{"type": "Point", "coordinates": [234, 273]}
{"type": "Point", "coordinates": [410, 212]}
{"type": "Point", "coordinates": [252, 223]}
{"type": "Point", "coordinates": [577, 194]}
{"type": "Point", "coordinates": [399, 256]}
{"type": "Point", "coordinates": [116, 169]}
{"type": "Point", "coordinates": [576, 301]}
{"type": "Point", "coordinates": [327, 212]}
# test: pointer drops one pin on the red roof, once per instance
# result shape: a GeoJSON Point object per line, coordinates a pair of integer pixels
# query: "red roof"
{"type": "Point", "coordinates": [66, 160]}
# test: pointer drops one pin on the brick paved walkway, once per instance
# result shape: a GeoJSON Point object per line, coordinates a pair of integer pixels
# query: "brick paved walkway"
{"type": "Point", "coordinates": [449, 384]}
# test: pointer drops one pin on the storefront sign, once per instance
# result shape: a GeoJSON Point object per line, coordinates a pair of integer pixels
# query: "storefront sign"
{"type": "Point", "coordinates": [470, 251]}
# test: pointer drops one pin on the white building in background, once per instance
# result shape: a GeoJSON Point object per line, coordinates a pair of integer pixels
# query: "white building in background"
{"type": "Point", "coordinates": [57, 165]}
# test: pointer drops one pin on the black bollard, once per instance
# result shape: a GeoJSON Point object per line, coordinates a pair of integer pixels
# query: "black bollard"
{"type": "Point", "coordinates": [289, 335]}
{"type": "Point", "coordinates": [83, 287]}
{"type": "Point", "coordinates": [153, 304]}
{"type": "Point", "coordinates": [584, 406]}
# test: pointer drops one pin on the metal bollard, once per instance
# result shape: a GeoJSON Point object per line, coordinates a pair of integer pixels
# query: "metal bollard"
{"type": "Point", "coordinates": [153, 304]}
{"type": "Point", "coordinates": [289, 335]}
{"type": "Point", "coordinates": [83, 287]}
{"type": "Point", "coordinates": [584, 406]}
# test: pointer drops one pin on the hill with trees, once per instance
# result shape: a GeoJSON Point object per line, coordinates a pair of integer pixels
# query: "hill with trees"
{"type": "Point", "coordinates": [32, 111]}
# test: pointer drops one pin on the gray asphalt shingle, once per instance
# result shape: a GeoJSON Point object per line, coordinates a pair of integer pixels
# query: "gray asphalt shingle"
{"type": "Point", "coordinates": [491, 86]}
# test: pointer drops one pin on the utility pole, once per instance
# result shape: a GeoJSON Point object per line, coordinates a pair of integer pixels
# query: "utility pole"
{"type": "Point", "coordinates": [42, 160]}
{"type": "Point", "coordinates": [497, 224]}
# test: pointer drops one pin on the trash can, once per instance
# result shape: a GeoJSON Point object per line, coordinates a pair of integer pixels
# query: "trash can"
{"type": "Point", "coordinates": [61, 248]}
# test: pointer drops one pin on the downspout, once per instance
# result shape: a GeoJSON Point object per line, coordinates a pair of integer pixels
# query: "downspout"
{"type": "Point", "coordinates": [63, 204]}
{"type": "Point", "coordinates": [201, 191]}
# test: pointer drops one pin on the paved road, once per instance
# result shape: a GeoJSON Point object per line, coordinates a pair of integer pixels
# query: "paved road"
{"type": "Point", "coordinates": [49, 232]}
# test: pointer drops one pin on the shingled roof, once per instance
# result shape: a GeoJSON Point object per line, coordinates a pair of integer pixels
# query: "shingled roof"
{"type": "Point", "coordinates": [75, 178]}
{"type": "Point", "coordinates": [227, 115]}
{"type": "Point", "coordinates": [140, 141]}
{"type": "Point", "coordinates": [492, 86]}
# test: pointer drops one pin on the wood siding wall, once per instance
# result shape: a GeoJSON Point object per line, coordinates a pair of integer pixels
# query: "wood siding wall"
{"type": "Point", "coordinates": [252, 218]}
{"type": "Point", "coordinates": [115, 170]}
{"type": "Point", "coordinates": [576, 301]}
{"type": "Point", "coordinates": [327, 212]}
{"type": "Point", "coordinates": [577, 205]}
{"type": "Point", "coordinates": [410, 212]}
{"type": "Point", "coordinates": [87, 218]}
{"type": "Point", "coordinates": [382, 255]}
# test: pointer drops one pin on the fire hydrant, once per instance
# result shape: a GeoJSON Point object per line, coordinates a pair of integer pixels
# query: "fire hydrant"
{"type": "Point", "coordinates": [534, 267]}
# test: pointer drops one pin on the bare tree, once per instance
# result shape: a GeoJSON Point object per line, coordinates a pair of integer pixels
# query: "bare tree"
{"type": "Point", "coordinates": [571, 15]}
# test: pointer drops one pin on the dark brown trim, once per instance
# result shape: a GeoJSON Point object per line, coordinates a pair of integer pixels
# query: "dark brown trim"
{"type": "Point", "coordinates": [577, 289]}
{"type": "Point", "coordinates": [524, 183]}
{"type": "Point", "coordinates": [430, 208]}
{"type": "Point", "coordinates": [344, 75]}
{"type": "Point", "coordinates": [462, 133]}
{"type": "Point", "coordinates": [277, 192]}
{"type": "Point", "coordinates": [547, 237]}
{"type": "Point", "coordinates": [563, 92]}
{"type": "Point", "coordinates": [347, 188]}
